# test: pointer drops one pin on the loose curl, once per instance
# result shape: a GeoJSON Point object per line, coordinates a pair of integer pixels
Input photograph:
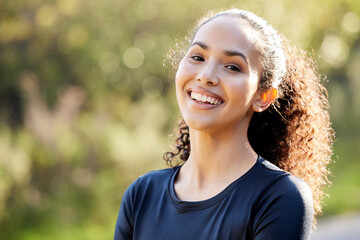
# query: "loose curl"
{"type": "Point", "coordinates": [295, 132]}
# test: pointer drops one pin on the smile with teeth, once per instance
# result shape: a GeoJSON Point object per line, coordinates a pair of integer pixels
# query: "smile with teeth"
{"type": "Point", "coordinates": [205, 99]}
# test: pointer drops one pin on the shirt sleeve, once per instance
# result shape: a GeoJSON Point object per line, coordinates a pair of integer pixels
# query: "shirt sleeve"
{"type": "Point", "coordinates": [125, 219]}
{"type": "Point", "coordinates": [285, 211]}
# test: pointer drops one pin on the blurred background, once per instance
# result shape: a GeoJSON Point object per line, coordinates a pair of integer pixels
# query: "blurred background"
{"type": "Point", "coordinates": [87, 103]}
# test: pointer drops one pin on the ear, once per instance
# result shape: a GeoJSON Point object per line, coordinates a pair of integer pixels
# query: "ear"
{"type": "Point", "coordinates": [263, 99]}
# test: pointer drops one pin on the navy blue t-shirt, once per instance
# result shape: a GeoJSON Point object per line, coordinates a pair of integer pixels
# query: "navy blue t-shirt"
{"type": "Point", "coordinates": [264, 203]}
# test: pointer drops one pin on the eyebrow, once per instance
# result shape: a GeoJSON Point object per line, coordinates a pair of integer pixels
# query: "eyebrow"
{"type": "Point", "coordinates": [226, 52]}
{"type": "Point", "coordinates": [235, 53]}
{"type": "Point", "coordinates": [200, 44]}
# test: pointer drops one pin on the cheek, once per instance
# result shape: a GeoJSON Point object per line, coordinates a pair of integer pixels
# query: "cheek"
{"type": "Point", "coordinates": [183, 74]}
{"type": "Point", "coordinates": [180, 82]}
{"type": "Point", "coordinates": [242, 91]}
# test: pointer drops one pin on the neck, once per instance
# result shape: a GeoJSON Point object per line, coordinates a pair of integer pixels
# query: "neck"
{"type": "Point", "coordinates": [221, 154]}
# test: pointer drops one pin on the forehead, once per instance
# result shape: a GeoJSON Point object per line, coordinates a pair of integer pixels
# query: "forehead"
{"type": "Point", "coordinates": [225, 32]}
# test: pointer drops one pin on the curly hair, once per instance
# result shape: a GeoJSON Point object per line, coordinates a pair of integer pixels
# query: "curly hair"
{"type": "Point", "coordinates": [295, 132]}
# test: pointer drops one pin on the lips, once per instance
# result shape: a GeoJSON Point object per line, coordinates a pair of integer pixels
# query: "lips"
{"type": "Point", "coordinates": [205, 96]}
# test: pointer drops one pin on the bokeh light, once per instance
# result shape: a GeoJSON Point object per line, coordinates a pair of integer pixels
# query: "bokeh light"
{"type": "Point", "coordinates": [46, 16]}
{"type": "Point", "coordinates": [133, 57]}
{"type": "Point", "coordinates": [351, 22]}
{"type": "Point", "coordinates": [147, 10]}
{"type": "Point", "coordinates": [145, 41]}
{"type": "Point", "coordinates": [109, 62]}
{"type": "Point", "coordinates": [334, 50]}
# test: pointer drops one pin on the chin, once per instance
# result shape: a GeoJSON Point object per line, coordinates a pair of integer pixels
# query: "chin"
{"type": "Point", "coordinates": [196, 123]}
{"type": "Point", "coordinates": [207, 124]}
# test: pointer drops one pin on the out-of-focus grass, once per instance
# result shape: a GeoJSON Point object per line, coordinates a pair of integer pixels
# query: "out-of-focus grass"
{"type": "Point", "coordinates": [83, 232]}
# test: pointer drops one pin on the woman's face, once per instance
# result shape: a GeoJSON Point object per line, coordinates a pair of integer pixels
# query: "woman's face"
{"type": "Point", "coordinates": [217, 80]}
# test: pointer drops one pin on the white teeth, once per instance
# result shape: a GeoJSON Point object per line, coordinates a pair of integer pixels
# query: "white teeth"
{"type": "Point", "coordinates": [203, 98]}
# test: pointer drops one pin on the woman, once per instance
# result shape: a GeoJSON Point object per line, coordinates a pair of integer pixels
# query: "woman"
{"type": "Point", "coordinates": [245, 95]}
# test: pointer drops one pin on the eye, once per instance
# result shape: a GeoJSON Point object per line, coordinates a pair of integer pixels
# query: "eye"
{"type": "Point", "coordinates": [233, 68]}
{"type": "Point", "coordinates": [198, 58]}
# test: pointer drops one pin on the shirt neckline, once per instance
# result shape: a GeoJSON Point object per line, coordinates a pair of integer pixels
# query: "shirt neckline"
{"type": "Point", "coordinates": [199, 205]}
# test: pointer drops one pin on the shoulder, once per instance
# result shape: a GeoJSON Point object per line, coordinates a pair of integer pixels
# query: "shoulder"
{"type": "Point", "coordinates": [284, 183]}
{"type": "Point", "coordinates": [156, 180]}
{"type": "Point", "coordinates": [156, 176]}
{"type": "Point", "coordinates": [142, 190]}
{"type": "Point", "coordinates": [284, 208]}
{"type": "Point", "coordinates": [285, 196]}
{"type": "Point", "coordinates": [289, 192]}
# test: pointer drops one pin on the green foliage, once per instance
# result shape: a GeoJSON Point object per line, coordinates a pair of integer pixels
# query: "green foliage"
{"type": "Point", "coordinates": [86, 104]}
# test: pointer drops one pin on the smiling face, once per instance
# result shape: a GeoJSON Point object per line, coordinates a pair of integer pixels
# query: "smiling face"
{"type": "Point", "coordinates": [217, 80]}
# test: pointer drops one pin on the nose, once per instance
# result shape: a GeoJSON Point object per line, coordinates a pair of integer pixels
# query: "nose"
{"type": "Point", "coordinates": [208, 74]}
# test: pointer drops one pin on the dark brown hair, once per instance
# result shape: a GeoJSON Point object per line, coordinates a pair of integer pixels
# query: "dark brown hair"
{"type": "Point", "coordinates": [295, 132]}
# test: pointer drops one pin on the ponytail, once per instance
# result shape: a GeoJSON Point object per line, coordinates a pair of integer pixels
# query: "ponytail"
{"type": "Point", "coordinates": [295, 132]}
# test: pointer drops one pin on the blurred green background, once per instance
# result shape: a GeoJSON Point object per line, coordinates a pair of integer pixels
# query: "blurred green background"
{"type": "Point", "coordinates": [87, 103]}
